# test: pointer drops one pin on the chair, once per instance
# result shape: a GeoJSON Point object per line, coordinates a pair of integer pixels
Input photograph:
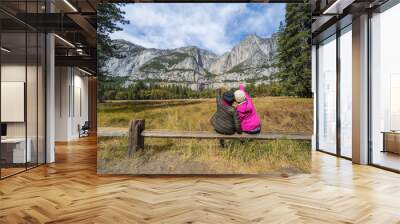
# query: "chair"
{"type": "Point", "coordinates": [84, 130]}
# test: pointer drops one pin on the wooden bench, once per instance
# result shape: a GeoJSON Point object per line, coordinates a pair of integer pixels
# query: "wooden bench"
{"type": "Point", "coordinates": [136, 134]}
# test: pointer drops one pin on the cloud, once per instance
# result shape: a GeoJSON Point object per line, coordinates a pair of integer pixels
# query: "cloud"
{"type": "Point", "coordinates": [216, 27]}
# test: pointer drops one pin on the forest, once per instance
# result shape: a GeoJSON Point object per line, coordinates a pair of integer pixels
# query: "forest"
{"type": "Point", "coordinates": [149, 91]}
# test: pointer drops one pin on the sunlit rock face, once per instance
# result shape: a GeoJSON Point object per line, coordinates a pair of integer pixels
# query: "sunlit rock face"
{"type": "Point", "coordinates": [250, 61]}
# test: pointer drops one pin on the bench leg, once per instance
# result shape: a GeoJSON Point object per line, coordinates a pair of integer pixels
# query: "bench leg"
{"type": "Point", "coordinates": [135, 138]}
{"type": "Point", "coordinates": [222, 143]}
{"type": "Point", "coordinates": [140, 141]}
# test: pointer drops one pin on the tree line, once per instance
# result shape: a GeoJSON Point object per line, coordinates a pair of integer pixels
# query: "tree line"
{"type": "Point", "coordinates": [149, 91]}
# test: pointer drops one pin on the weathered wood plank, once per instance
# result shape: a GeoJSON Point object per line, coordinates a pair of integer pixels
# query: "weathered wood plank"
{"type": "Point", "coordinates": [139, 130]}
{"type": "Point", "coordinates": [214, 135]}
{"type": "Point", "coordinates": [135, 139]}
{"type": "Point", "coordinates": [131, 136]}
{"type": "Point", "coordinates": [112, 133]}
{"type": "Point", "coordinates": [206, 135]}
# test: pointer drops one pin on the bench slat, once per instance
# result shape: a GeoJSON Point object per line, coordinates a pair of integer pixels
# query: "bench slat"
{"type": "Point", "coordinates": [113, 133]}
{"type": "Point", "coordinates": [214, 135]}
{"type": "Point", "coordinates": [206, 135]}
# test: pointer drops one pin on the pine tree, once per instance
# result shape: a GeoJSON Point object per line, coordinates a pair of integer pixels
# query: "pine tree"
{"type": "Point", "coordinates": [294, 52]}
{"type": "Point", "coordinates": [109, 16]}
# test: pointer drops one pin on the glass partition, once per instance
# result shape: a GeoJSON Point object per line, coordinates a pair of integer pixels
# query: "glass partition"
{"type": "Point", "coordinates": [346, 92]}
{"type": "Point", "coordinates": [385, 89]}
{"type": "Point", "coordinates": [14, 151]}
{"type": "Point", "coordinates": [31, 97]}
{"type": "Point", "coordinates": [22, 77]}
{"type": "Point", "coordinates": [327, 95]}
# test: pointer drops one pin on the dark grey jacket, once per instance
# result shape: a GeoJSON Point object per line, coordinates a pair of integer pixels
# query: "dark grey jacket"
{"type": "Point", "coordinates": [225, 120]}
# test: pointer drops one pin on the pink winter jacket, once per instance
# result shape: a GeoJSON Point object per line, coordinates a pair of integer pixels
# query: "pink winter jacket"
{"type": "Point", "coordinates": [247, 113]}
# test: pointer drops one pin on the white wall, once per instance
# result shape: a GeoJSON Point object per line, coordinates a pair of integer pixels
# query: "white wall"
{"type": "Point", "coordinates": [80, 110]}
{"type": "Point", "coordinates": [62, 81]}
{"type": "Point", "coordinates": [71, 102]}
{"type": "Point", "coordinates": [13, 101]}
{"type": "Point", "coordinates": [14, 73]}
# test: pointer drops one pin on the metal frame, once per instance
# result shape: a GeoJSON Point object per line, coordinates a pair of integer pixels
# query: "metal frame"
{"type": "Point", "coordinates": [338, 98]}
{"type": "Point", "coordinates": [37, 92]}
{"type": "Point", "coordinates": [369, 90]}
{"type": "Point", "coordinates": [387, 5]}
{"type": "Point", "coordinates": [26, 89]}
{"type": "Point", "coordinates": [0, 90]}
{"type": "Point", "coordinates": [316, 97]}
{"type": "Point", "coordinates": [200, 1]}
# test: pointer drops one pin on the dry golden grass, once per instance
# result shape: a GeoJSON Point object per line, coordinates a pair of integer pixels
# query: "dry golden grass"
{"type": "Point", "coordinates": [279, 114]}
{"type": "Point", "coordinates": [166, 156]}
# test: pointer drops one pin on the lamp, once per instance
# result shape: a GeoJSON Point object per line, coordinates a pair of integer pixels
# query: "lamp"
{"type": "Point", "coordinates": [337, 7]}
{"type": "Point", "coordinates": [5, 50]}
{"type": "Point", "coordinates": [84, 71]}
{"type": "Point", "coordinates": [64, 40]}
{"type": "Point", "coordinates": [70, 5]}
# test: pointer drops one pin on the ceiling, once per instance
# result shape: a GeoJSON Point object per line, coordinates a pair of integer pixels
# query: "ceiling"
{"type": "Point", "coordinates": [330, 15]}
{"type": "Point", "coordinates": [74, 22]}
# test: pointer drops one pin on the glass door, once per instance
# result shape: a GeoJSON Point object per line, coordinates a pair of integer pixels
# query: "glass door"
{"type": "Point", "coordinates": [326, 102]}
{"type": "Point", "coordinates": [385, 89]}
{"type": "Point", "coordinates": [346, 94]}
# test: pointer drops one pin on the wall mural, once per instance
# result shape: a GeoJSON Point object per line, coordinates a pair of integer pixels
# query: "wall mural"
{"type": "Point", "coordinates": [204, 88]}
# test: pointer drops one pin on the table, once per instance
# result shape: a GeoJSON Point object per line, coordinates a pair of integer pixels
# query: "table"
{"type": "Point", "coordinates": [391, 141]}
{"type": "Point", "coordinates": [13, 150]}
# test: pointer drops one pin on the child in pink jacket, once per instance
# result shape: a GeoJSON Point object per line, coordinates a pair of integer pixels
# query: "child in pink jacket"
{"type": "Point", "coordinates": [246, 112]}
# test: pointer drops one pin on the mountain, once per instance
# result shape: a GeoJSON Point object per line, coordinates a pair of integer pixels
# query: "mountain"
{"type": "Point", "coordinates": [251, 60]}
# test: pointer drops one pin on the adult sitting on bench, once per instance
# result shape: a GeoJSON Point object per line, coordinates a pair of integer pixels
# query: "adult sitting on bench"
{"type": "Point", "coordinates": [225, 120]}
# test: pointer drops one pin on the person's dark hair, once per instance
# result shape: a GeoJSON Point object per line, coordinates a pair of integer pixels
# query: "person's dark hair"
{"type": "Point", "coordinates": [229, 97]}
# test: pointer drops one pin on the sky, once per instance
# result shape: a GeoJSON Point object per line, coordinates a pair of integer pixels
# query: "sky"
{"type": "Point", "coordinates": [216, 27]}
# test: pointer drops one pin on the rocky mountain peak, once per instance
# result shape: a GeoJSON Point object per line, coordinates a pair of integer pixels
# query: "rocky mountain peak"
{"type": "Point", "coordinates": [253, 38]}
{"type": "Point", "coordinates": [251, 59]}
{"type": "Point", "coordinates": [120, 43]}
{"type": "Point", "coordinates": [253, 51]}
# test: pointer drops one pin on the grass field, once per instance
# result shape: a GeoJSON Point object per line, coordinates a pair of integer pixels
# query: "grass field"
{"type": "Point", "coordinates": [166, 156]}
